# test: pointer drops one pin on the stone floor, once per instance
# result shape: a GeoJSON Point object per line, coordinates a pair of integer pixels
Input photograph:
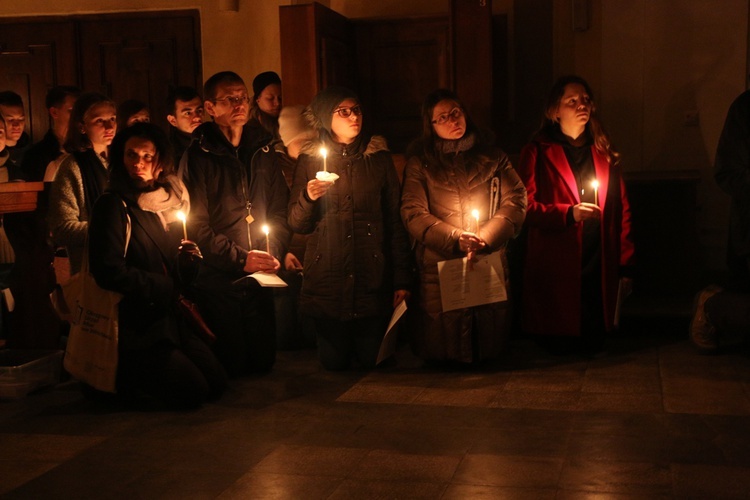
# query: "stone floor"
{"type": "Point", "coordinates": [649, 418]}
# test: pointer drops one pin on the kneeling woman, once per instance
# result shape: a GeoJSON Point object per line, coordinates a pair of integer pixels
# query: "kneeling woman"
{"type": "Point", "coordinates": [159, 353]}
{"type": "Point", "coordinates": [453, 171]}
{"type": "Point", "coordinates": [357, 262]}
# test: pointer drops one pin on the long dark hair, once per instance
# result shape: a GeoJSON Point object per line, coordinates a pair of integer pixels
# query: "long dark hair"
{"type": "Point", "coordinates": [594, 126]}
{"type": "Point", "coordinates": [119, 178]}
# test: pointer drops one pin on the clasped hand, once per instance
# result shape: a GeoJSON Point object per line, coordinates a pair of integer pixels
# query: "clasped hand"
{"type": "Point", "coordinates": [470, 244]}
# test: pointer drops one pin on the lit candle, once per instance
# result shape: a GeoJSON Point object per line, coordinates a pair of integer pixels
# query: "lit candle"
{"type": "Point", "coordinates": [475, 214]}
{"type": "Point", "coordinates": [183, 218]}
{"type": "Point", "coordinates": [324, 154]}
{"type": "Point", "coordinates": [268, 242]}
{"type": "Point", "coordinates": [595, 185]}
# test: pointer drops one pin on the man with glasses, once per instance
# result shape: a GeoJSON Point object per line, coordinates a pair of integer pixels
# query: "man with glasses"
{"type": "Point", "coordinates": [235, 190]}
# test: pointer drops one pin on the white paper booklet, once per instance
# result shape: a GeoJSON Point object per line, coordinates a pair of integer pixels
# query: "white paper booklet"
{"type": "Point", "coordinates": [265, 279]}
{"type": "Point", "coordinates": [481, 283]}
{"type": "Point", "coordinates": [389, 344]}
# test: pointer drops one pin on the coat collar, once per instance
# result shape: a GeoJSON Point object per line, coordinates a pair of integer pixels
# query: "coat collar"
{"type": "Point", "coordinates": [556, 155]}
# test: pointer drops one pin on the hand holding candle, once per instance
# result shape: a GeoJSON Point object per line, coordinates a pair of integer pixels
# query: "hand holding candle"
{"type": "Point", "coordinates": [268, 241]}
{"type": "Point", "coordinates": [183, 218]}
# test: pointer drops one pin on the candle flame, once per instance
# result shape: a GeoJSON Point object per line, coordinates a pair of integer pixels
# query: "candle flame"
{"type": "Point", "coordinates": [475, 214]}
{"type": "Point", "coordinates": [265, 229]}
{"type": "Point", "coordinates": [181, 215]}
{"type": "Point", "coordinates": [323, 152]}
{"type": "Point", "coordinates": [595, 184]}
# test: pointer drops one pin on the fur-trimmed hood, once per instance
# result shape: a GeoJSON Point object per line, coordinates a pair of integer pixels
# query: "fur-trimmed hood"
{"type": "Point", "coordinates": [376, 144]}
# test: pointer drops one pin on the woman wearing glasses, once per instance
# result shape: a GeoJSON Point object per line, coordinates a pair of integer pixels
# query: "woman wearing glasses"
{"type": "Point", "coordinates": [578, 223]}
{"type": "Point", "coordinates": [357, 262]}
{"type": "Point", "coordinates": [461, 198]}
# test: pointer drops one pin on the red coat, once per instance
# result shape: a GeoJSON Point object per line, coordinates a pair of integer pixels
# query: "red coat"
{"type": "Point", "coordinates": [551, 301]}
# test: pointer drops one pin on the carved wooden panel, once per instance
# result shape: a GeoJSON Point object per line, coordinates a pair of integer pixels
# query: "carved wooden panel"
{"type": "Point", "coordinates": [139, 58]}
{"type": "Point", "coordinates": [35, 56]}
{"type": "Point", "coordinates": [317, 50]}
{"type": "Point", "coordinates": [399, 63]}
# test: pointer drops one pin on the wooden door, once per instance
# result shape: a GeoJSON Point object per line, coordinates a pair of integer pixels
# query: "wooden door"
{"type": "Point", "coordinates": [35, 56]}
{"type": "Point", "coordinates": [140, 57]}
{"type": "Point", "coordinates": [317, 51]}
{"type": "Point", "coordinates": [399, 63]}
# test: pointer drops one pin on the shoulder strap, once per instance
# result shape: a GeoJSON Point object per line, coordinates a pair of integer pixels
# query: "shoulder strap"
{"type": "Point", "coordinates": [128, 228]}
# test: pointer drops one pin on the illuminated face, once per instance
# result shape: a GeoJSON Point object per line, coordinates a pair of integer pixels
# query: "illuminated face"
{"type": "Point", "coordinates": [61, 114]}
{"type": "Point", "coordinates": [100, 125]}
{"type": "Point", "coordinates": [347, 121]}
{"type": "Point", "coordinates": [188, 115]}
{"type": "Point", "coordinates": [15, 122]}
{"type": "Point", "coordinates": [141, 116]}
{"type": "Point", "coordinates": [231, 107]}
{"type": "Point", "coordinates": [141, 160]}
{"type": "Point", "coordinates": [574, 110]}
{"type": "Point", "coordinates": [269, 100]}
{"type": "Point", "coordinates": [448, 120]}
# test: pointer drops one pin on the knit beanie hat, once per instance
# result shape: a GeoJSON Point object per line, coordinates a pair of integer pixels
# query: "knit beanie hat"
{"type": "Point", "coordinates": [325, 102]}
{"type": "Point", "coordinates": [293, 125]}
{"type": "Point", "coordinates": [263, 80]}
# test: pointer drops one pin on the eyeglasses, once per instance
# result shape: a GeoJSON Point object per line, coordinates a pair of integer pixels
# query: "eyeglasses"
{"type": "Point", "coordinates": [453, 115]}
{"type": "Point", "coordinates": [233, 100]}
{"type": "Point", "coordinates": [347, 112]}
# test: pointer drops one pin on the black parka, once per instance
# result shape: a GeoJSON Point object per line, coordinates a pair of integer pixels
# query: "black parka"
{"type": "Point", "coordinates": [358, 253]}
{"type": "Point", "coordinates": [226, 184]}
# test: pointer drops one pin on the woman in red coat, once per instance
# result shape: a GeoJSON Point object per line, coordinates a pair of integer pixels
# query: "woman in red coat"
{"type": "Point", "coordinates": [578, 221]}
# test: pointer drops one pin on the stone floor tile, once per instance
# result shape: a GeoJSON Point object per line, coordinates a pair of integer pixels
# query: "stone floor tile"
{"type": "Point", "coordinates": [621, 402]}
{"type": "Point", "coordinates": [384, 489]}
{"type": "Point", "coordinates": [509, 470]}
{"type": "Point", "coordinates": [15, 472]}
{"type": "Point", "coordinates": [701, 481]}
{"type": "Point", "coordinates": [44, 446]}
{"type": "Point", "coordinates": [431, 468]}
{"type": "Point", "coordinates": [311, 461]}
{"type": "Point", "coordinates": [377, 393]}
{"type": "Point", "coordinates": [601, 476]}
{"type": "Point", "coordinates": [439, 396]}
{"type": "Point", "coordinates": [479, 492]}
{"type": "Point", "coordinates": [272, 486]}
{"type": "Point", "coordinates": [538, 400]}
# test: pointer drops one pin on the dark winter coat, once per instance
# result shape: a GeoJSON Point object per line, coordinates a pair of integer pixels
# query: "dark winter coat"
{"type": "Point", "coordinates": [357, 254]}
{"type": "Point", "coordinates": [143, 276]}
{"type": "Point", "coordinates": [227, 184]}
{"type": "Point", "coordinates": [552, 262]}
{"type": "Point", "coordinates": [437, 206]}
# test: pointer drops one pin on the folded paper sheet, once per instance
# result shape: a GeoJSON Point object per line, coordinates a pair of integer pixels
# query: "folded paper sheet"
{"type": "Point", "coordinates": [481, 283]}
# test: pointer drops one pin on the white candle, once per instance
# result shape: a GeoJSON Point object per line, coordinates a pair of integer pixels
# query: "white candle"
{"type": "Point", "coordinates": [268, 242]}
{"type": "Point", "coordinates": [595, 185]}
{"type": "Point", "coordinates": [183, 218]}
{"type": "Point", "coordinates": [475, 214]}
{"type": "Point", "coordinates": [324, 154]}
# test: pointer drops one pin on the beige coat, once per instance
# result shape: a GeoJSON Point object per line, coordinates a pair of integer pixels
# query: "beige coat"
{"type": "Point", "coordinates": [436, 208]}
